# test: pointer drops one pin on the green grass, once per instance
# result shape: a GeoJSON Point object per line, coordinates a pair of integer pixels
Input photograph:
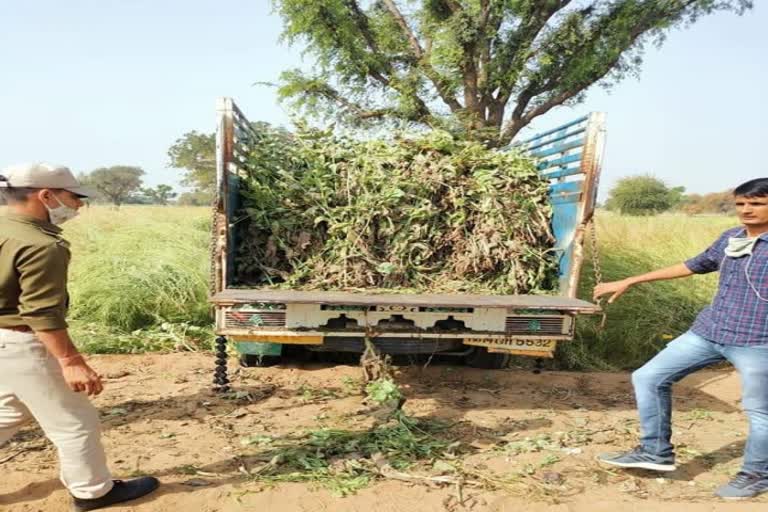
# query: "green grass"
{"type": "Point", "coordinates": [140, 276]}
{"type": "Point", "coordinates": [642, 321]}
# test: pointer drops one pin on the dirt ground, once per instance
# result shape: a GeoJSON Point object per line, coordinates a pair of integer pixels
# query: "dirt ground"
{"type": "Point", "coordinates": [160, 418]}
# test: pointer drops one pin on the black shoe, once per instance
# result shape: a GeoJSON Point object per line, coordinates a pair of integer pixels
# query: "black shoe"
{"type": "Point", "coordinates": [122, 491]}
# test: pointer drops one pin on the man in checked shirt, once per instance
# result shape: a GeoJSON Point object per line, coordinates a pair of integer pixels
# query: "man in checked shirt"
{"type": "Point", "coordinates": [733, 328]}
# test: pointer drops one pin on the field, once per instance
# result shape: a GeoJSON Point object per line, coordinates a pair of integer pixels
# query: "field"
{"type": "Point", "coordinates": [300, 436]}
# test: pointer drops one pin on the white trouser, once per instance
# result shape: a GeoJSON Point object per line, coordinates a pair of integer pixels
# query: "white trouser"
{"type": "Point", "coordinates": [32, 386]}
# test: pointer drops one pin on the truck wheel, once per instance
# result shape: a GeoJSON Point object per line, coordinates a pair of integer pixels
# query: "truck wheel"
{"type": "Point", "coordinates": [481, 358]}
{"type": "Point", "coordinates": [255, 361]}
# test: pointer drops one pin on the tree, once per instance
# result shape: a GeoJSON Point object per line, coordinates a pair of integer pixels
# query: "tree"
{"type": "Point", "coordinates": [160, 194]}
{"type": "Point", "coordinates": [676, 197]}
{"type": "Point", "coordinates": [195, 153]}
{"type": "Point", "coordinates": [196, 198]}
{"type": "Point", "coordinates": [714, 202]}
{"type": "Point", "coordinates": [486, 67]}
{"type": "Point", "coordinates": [116, 183]}
{"type": "Point", "coordinates": [642, 195]}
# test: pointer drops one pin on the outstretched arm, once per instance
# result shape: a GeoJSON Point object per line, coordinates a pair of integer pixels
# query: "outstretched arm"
{"type": "Point", "coordinates": [617, 288]}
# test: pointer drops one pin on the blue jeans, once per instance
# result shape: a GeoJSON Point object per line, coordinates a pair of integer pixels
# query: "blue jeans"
{"type": "Point", "coordinates": [685, 355]}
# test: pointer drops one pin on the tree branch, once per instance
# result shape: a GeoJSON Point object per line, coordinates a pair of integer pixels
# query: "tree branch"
{"type": "Point", "coordinates": [330, 94]}
{"type": "Point", "coordinates": [361, 21]}
{"type": "Point", "coordinates": [520, 42]}
{"type": "Point", "coordinates": [363, 26]}
{"type": "Point", "coordinates": [401, 21]}
{"type": "Point", "coordinates": [453, 5]}
{"type": "Point", "coordinates": [519, 120]}
{"type": "Point", "coordinates": [423, 58]}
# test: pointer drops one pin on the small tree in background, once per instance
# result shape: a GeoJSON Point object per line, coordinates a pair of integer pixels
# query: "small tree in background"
{"type": "Point", "coordinates": [643, 195]}
{"type": "Point", "coordinates": [195, 153]}
{"type": "Point", "coordinates": [677, 197]}
{"type": "Point", "coordinates": [160, 194]}
{"type": "Point", "coordinates": [195, 198]}
{"type": "Point", "coordinates": [116, 183]}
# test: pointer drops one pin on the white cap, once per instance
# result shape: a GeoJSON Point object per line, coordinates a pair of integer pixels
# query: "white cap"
{"type": "Point", "coordinates": [42, 175]}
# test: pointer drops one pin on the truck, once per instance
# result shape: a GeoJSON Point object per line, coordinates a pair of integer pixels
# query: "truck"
{"type": "Point", "coordinates": [482, 330]}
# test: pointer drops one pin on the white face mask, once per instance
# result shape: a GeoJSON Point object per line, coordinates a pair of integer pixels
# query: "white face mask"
{"type": "Point", "coordinates": [61, 213]}
{"type": "Point", "coordinates": [738, 247]}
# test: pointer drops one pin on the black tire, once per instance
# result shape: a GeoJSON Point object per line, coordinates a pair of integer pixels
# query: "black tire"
{"type": "Point", "coordinates": [481, 358]}
{"type": "Point", "coordinates": [340, 358]}
{"type": "Point", "coordinates": [255, 361]}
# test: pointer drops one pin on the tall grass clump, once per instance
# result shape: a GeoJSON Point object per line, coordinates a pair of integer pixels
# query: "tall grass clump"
{"type": "Point", "coordinates": [643, 320]}
{"type": "Point", "coordinates": [140, 267]}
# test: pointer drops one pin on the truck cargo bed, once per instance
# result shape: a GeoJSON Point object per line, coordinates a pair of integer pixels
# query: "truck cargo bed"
{"type": "Point", "coordinates": [483, 329]}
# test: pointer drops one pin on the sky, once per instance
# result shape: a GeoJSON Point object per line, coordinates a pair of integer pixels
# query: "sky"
{"type": "Point", "coordinates": [108, 82]}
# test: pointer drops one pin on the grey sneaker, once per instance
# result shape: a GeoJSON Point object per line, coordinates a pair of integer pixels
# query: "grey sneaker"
{"type": "Point", "coordinates": [640, 459]}
{"type": "Point", "coordinates": [743, 486]}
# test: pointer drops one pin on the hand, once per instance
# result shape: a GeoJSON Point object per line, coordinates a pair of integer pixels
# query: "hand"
{"type": "Point", "coordinates": [80, 377]}
{"type": "Point", "coordinates": [615, 288]}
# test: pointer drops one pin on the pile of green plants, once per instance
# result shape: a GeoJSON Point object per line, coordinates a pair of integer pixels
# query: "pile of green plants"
{"type": "Point", "coordinates": [426, 214]}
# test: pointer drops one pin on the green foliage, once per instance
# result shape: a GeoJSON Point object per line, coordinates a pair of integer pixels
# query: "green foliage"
{"type": "Point", "coordinates": [643, 195]}
{"type": "Point", "coordinates": [346, 461]}
{"type": "Point", "coordinates": [166, 337]}
{"type": "Point", "coordinates": [195, 153]}
{"type": "Point", "coordinates": [116, 183]}
{"type": "Point", "coordinates": [161, 194]}
{"type": "Point", "coordinates": [484, 67]}
{"type": "Point", "coordinates": [139, 268]}
{"type": "Point", "coordinates": [648, 316]}
{"type": "Point", "coordinates": [196, 198]}
{"type": "Point", "coordinates": [676, 197]}
{"type": "Point", "coordinates": [428, 213]}
{"type": "Point", "coordinates": [383, 390]}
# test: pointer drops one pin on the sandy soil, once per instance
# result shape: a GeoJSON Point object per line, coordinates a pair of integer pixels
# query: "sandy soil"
{"type": "Point", "coordinates": [160, 418]}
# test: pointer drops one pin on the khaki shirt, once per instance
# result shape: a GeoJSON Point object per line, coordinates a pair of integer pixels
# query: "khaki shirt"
{"type": "Point", "coordinates": [34, 261]}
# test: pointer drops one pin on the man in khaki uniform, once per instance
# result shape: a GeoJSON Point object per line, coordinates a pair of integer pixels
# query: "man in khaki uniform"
{"type": "Point", "coordinates": [42, 374]}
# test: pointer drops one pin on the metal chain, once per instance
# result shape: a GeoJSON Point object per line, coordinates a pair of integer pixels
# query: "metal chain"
{"type": "Point", "coordinates": [213, 246]}
{"type": "Point", "coordinates": [596, 268]}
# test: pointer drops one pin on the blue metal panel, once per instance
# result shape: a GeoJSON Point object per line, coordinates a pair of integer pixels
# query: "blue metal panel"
{"type": "Point", "coordinates": [560, 148]}
{"type": "Point", "coordinates": [572, 198]}
{"type": "Point", "coordinates": [554, 130]}
{"type": "Point", "coordinates": [560, 152]}
{"type": "Point", "coordinates": [543, 142]}
{"type": "Point", "coordinates": [564, 220]}
{"type": "Point", "coordinates": [559, 161]}
{"type": "Point", "coordinates": [570, 187]}
{"type": "Point", "coordinates": [562, 173]}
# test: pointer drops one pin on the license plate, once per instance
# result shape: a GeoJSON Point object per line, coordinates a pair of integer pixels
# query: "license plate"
{"type": "Point", "coordinates": [513, 344]}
